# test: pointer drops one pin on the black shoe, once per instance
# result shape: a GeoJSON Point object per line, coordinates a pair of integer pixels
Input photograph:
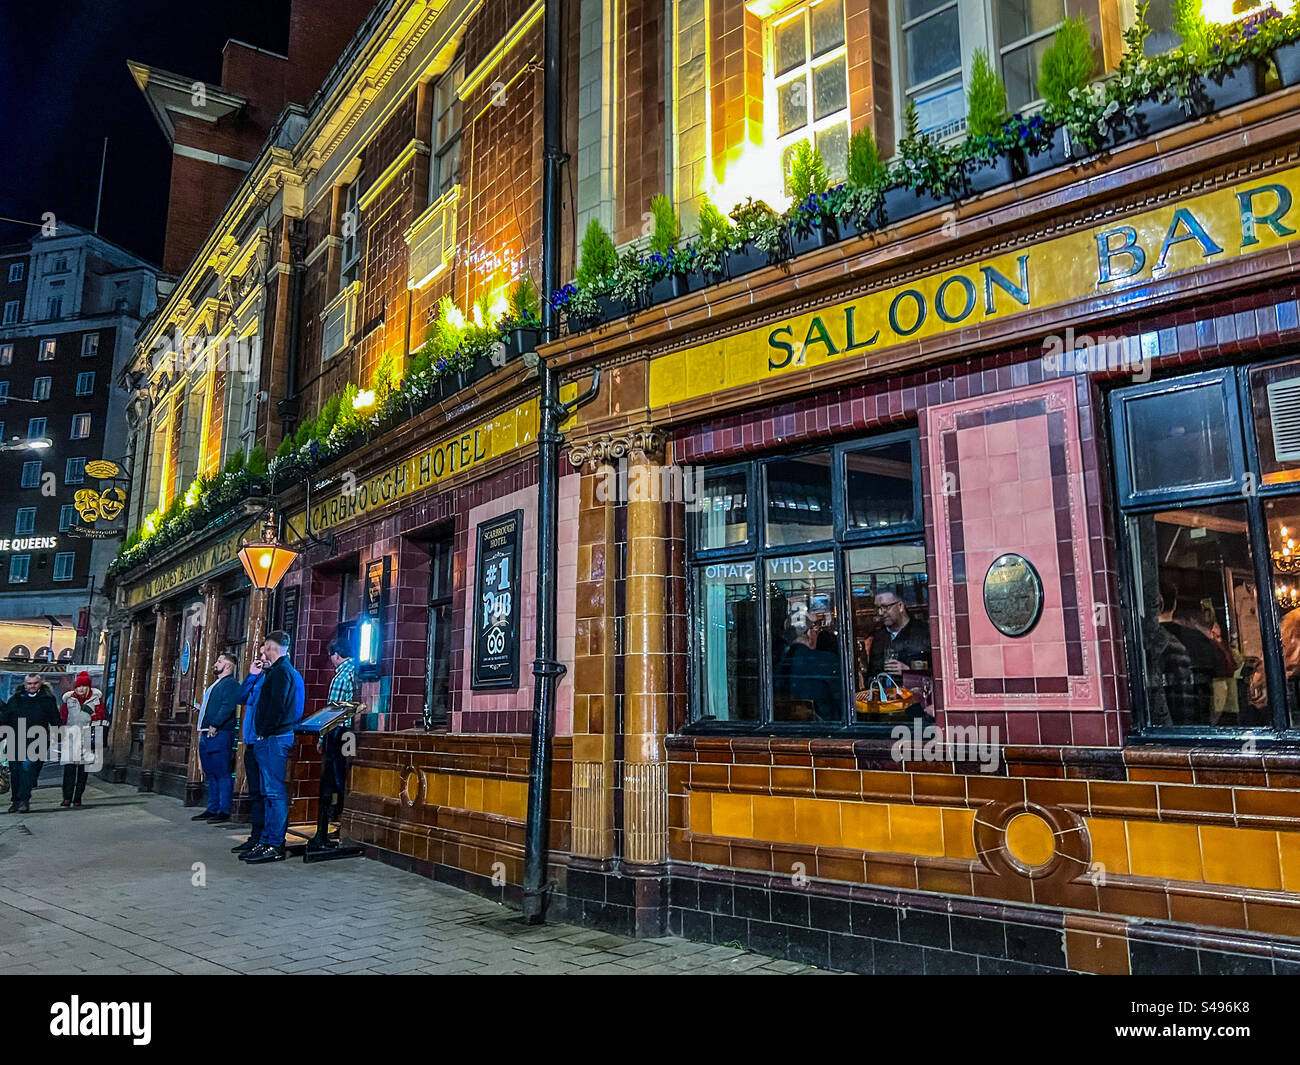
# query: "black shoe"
{"type": "Point", "coordinates": [245, 847]}
{"type": "Point", "coordinates": [218, 819]}
{"type": "Point", "coordinates": [265, 854]}
{"type": "Point", "coordinates": [13, 808]}
{"type": "Point", "coordinates": [256, 849]}
{"type": "Point", "coordinates": [24, 808]}
{"type": "Point", "coordinates": [206, 815]}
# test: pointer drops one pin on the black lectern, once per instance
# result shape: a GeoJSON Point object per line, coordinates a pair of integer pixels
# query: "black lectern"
{"type": "Point", "coordinates": [320, 848]}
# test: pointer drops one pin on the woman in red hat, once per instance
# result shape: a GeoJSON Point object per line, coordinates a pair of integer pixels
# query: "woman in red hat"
{"type": "Point", "coordinates": [81, 708]}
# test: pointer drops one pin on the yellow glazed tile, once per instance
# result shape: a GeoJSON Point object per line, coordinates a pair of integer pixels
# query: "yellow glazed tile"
{"type": "Point", "coordinates": [732, 815]}
{"type": "Point", "coordinates": [1169, 851]}
{"type": "Point", "coordinates": [817, 822]}
{"type": "Point", "coordinates": [1288, 845]}
{"type": "Point", "coordinates": [916, 830]}
{"type": "Point", "coordinates": [1030, 840]}
{"type": "Point", "coordinates": [959, 833]}
{"type": "Point", "coordinates": [455, 791]}
{"type": "Point", "coordinates": [436, 789]}
{"type": "Point", "coordinates": [701, 809]}
{"type": "Point", "coordinates": [473, 793]}
{"type": "Point", "coordinates": [866, 825]}
{"type": "Point", "coordinates": [1109, 844]}
{"type": "Point", "coordinates": [774, 818]}
{"type": "Point", "coordinates": [1246, 857]}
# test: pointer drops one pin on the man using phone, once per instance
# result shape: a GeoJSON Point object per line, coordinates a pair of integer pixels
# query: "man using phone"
{"type": "Point", "coordinates": [279, 708]}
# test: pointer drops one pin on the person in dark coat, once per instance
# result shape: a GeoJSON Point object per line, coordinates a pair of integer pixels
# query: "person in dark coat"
{"type": "Point", "coordinates": [218, 715]}
{"type": "Point", "coordinates": [249, 691]}
{"type": "Point", "coordinates": [279, 708]}
{"type": "Point", "coordinates": [899, 640]}
{"type": "Point", "coordinates": [33, 714]}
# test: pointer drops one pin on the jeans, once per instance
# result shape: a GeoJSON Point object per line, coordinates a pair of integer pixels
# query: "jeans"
{"type": "Point", "coordinates": [333, 772]}
{"type": "Point", "coordinates": [74, 782]}
{"type": "Point", "coordinates": [256, 800]}
{"type": "Point", "coordinates": [24, 779]}
{"type": "Point", "coordinates": [214, 757]}
{"type": "Point", "coordinates": [273, 761]}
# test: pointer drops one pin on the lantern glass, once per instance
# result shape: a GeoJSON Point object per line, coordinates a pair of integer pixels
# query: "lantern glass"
{"type": "Point", "coordinates": [266, 563]}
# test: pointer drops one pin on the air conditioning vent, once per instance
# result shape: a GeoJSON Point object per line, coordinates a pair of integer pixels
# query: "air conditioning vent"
{"type": "Point", "coordinates": [1284, 416]}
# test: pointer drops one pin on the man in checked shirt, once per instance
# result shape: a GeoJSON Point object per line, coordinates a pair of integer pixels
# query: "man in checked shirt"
{"type": "Point", "coordinates": [334, 767]}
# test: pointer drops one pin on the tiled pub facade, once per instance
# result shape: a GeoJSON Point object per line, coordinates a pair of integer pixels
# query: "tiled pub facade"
{"type": "Point", "coordinates": [1094, 843]}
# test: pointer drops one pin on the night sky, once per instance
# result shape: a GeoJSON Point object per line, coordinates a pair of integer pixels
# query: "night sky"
{"type": "Point", "coordinates": [64, 87]}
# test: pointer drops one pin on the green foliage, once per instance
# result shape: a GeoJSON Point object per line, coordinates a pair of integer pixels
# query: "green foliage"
{"type": "Point", "coordinates": [599, 258]}
{"type": "Point", "coordinates": [1068, 64]}
{"type": "Point", "coordinates": [286, 447]}
{"type": "Point", "coordinates": [235, 463]}
{"type": "Point", "coordinates": [924, 164]}
{"type": "Point", "coordinates": [1191, 26]}
{"type": "Point", "coordinates": [715, 227]}
{"type": "Point", "coordinates": [525, 307]}
{"type": "Point", "coordinates": [808, 174]}
{"type": "Point", "coordinates": [384, 381]}
{"type": "Point", "coordinates": [132, 539]}
{"type": "Point", "coordinates": [865, 167]}
{"type": "Point", "coordinates": [667, 229]}
{"type": "Point", "coordinates": [257, 461]}
{"type": "Point", "coordinates": [987, 99]}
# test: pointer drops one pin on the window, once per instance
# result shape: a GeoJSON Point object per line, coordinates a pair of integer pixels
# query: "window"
{"type": "Point", "coordinates": [60, 265]}
{"type": "Point", "coordinates": [437, 683]}
{"type": "Point", "coordinates": [350, 225]}
{"type": "Point", "coordinates": [35, 428]}
{"type": "Point", "coordinates": [63, 565]}
{"type": "Point", "coordinates": [89, 345]}
{"type": "Point", "coordinates": [67, 517]}
{"type": "Point", "coordinates": [31, 474]}
{"type": "Point", "coordinates": [25, 521]}
{"type": "Point", "coordinates": [1208, 475]}
{"type": "Point", "coordinates": [6, 354]}
{"type": "Point", "coordinates": [808, 85]}
{"type": "Point", "coordinates": [54, 307]}
{"type": "Point", "coordinates": [18, 567]}
{"type": "Point", "coordinates": [4, 391]}
{"type": "Point", "coordinates": [1025, 29]}
{"type": "Point", "coordinates": [80, 426]}
{"type": "Point", "coordinates": [41, 388]}
{"type": "Point", "coordinates": [47, 350]}
{"type": "Point", "coordinates": [75, 471]}
{"type": "Point", "coordinates": [11, 312]}
{"type": "Point", "coordinates": [15, 272]}
{"type": "Point", "coordinates": [446, 131]}
{"type": "Point", "coordinates": [85, 383]}
{"type": "Point", "coordinates": [810, 597]}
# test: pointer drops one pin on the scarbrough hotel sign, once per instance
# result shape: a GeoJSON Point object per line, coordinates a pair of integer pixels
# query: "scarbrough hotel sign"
{"type": "Point", "coordinates": [1188, 233]}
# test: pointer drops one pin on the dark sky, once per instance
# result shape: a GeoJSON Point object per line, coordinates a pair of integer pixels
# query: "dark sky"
{"type": "Point", "coordinates": [64, 87]}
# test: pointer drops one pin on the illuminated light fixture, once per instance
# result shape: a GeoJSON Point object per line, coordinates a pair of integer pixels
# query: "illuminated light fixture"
{"type": "Point", "coordinates": [1226, 12]}
{"type": "Point", "coordinates": [192, 494]}
{"type": "Point", "coordinates": [457, 318]}
{"type": "Point", "coordinates": [266, 560]}
{"type": "Point", "coordinates": [27, 443]}
{"type": "Point", "coordinates": [368, 643]}
{"type": "Point", "coordinates": [364, 399]}
{"type": "Point", "coordinates": [1288, 597]}
{"type": "Point", "coordinates": [500, 307]}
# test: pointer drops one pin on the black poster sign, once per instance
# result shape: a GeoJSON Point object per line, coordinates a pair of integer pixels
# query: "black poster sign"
{"type": "Point", "coordinates": [496, 603]}
{"type": "Point", "coordinates": [289, 612]}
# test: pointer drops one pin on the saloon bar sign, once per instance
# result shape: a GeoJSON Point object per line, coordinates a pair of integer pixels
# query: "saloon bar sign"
{"type": "Point", "coordinates": [496, 603]}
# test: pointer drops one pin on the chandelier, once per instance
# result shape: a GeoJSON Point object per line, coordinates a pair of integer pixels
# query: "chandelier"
{"type": "Point", "coordinates": [1288, 597]}
{"type": "Point", "coordinates": [1286, 559]}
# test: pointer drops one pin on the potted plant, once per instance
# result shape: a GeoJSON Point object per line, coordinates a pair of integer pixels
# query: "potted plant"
{"type": "Point", "coordinates": [990, 157]}
{"type": "Point", "coordinates": [523, 324]}
{"type": "Point", "coordinates": [812, 221]}
{"type": "Point", "coordinates": [1063, 75]}
{"type": "Point", "coordinates": [1279, 36]}
{"type": "Point", "coordinates": [660, 264]}
{"type": "Point", "coordinates": [630, 285]}
{"type": "Point", "coordinates": [859, 206]}
{"type": "Point", "coordinates": [925, 175]}
{"type": "Point", "coordinates": [708, 252]}
{"type": "Point", "coordinates": [590, 303]}
{"type": "Point", "coordinates": [759, 237]}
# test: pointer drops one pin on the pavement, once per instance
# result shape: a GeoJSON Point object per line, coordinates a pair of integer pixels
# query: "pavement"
{"type": "Point", "coordinates": [128, 884]}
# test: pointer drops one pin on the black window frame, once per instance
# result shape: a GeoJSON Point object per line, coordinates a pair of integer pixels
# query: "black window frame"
{"type": "Point", "coordinates": [440, 618]}
{"type": "Point", "coordinates": [755, 550]}
{"type": "Point", "coordinates": [1244, 487]}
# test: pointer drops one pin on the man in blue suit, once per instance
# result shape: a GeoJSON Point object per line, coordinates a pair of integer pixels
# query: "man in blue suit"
{"type": "Point", "coordinates": [279, 708]}
{"type": "Point", "coordinates": [248, 693]}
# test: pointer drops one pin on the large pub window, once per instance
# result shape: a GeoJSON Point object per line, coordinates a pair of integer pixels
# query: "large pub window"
{"type": "Point", "coordinates": [809, 592]}
{"type": "Point", "coordinates": [438, 667]}
{"type": "Point", "coordinates": [1208, 474]}
{"type": "Point", "coordinates": [350, 590]}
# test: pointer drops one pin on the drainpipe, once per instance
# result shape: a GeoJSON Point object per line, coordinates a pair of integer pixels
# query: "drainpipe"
{"type": "Point", "coordinates": [547, 670]}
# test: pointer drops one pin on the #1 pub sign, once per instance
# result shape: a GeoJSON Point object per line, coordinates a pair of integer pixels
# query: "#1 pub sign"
{"type": "Point", "coordinates": [496, 603]}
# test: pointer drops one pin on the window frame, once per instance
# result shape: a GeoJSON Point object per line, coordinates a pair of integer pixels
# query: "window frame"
{"type": "Point", "coordinates": [89, 377]}
{"type": "Point", "coordinates": [6, 354]}
{"type": "Point", "coordinates": [1244, 460]}
{"type": "Point", "coordinates": [47, 343]}
{"type": "Point", "coordinates": [68, 517]}
{"type": "Point", "coordinates": [1004, 47]}
{"type": "Point", "coordinates": [26, 560]}
{"type": "Point", "coordinates": [37, 382]}
{"type": "Point", "coordinates": [90, 427]}
{"type": "Point", "coordinates": [15, 273]}
{"type": "Point", "coordinates": [29, 512]}
{"type": "Point", "coordinates": [350, 253]}
{"type": "Point", "coordinates": [27, 465]}
{"type": "Point", "coordinates": [443, 147]}
{"type": "Point", "coordinates": [71, 557]}
{"type": "Point", "coordinates": [756, 551]}
{"type": "Point", "coordinates": [11, 318]}
{"type": "Point", "coordinates": [89, 345]}
{"type": "Point", "coordinates": [67, 470]}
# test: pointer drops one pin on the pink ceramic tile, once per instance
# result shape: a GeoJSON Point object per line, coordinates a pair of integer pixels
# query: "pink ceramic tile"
{"type": "Point", "coordinates": [1009, 529]}
{"type": "Point", "coordinates": [1018, 659]}
{"type": "Point", "coordinates": [1002, 439]}
{"type": "Point", "coordinates": [1004, 469]}
{"type": "Point", "coordinates": [1005, 497]}
{"type": "Point", "coordinates": [986, 660]}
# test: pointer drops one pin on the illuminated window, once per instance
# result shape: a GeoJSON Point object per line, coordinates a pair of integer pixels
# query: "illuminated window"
{"type": "Point", "coordinates": [25, 521]}
{"type": "Point", "coordinates": [41, 388]}
{"type": "Point", "coordinates": [445, 171]}
{"type": "Point", "coordinates": [350, 226]}
{"type": "Point", "coordinates": [80, 426]}
{"type": "Point", "coordinates": [808, 82]}
{"type": "Point", "coordinates": [47, 350]}
{"type": "Point", "coordinates": [19, 566]}
{"type": "Point", "coordinates": [90, 344]}
{"type": "Point", "coordinates": [6, 354]}
{"type": "Point", "coordinates": [63, 565]}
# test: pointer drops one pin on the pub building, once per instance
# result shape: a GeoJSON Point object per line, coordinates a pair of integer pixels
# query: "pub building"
{"type": "Point", "coordinates": [926, 600]}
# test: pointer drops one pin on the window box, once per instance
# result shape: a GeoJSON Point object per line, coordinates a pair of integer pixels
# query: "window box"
{"type": "Point", "coordinates": [519, 341]}
{"type": "Point", "coordinates": [901, 203]}
{"type": "Point", "coordinates": [818, 236]}
{"type": "Point", "coordinates": [1287, 61]}
{"type": "Point", "coordinates": [1055, 154]}
{"type": "Point", "coordinates": [745, 259]}
{"type": "Point", "coordinates": [1234, 87]}
{"type": "Point", "coordinates": [1210, 95]}
{"type": "Point", "coordinates": [980, 177]}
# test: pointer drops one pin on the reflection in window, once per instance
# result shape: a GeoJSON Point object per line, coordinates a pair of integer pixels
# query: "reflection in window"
{"type": "Point", "coordinates": [730, 687]}
{"type": "Point", "coordinates": [1200, 634]}
{"type": "Point", "coordinates": [1282, 517]}
{"type": "Point", "coordinates": [799, 500]}
{"type": "Point", "coordinates": [1179, 438]}
{"type": "Point", "coordinates": [881, 489]}
{"type": "Point", "coordinates": [809, 70]}
{"type": "Point", "coordinates": [890, 598]}
{"type": "Point", "coordinates": [806, 677]}
{"type": "Point", "coordinates": [721, 512]}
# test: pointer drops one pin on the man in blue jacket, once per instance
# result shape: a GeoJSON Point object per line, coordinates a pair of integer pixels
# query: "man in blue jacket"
{"type": "Point", "coordinates": [248, 693]}
{"type": "Point", "coordinates": [279, 708]}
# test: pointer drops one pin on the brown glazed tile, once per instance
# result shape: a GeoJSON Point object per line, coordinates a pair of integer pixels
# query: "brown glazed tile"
{"type": "Point", "coordinates": [704, 852]}
{"type": "Point", "coordinates": [885, 873]}
{"type": "Point", "coordinates": [1262, 803]}
{"type": "Point", "coordinates": [1088, 951]}
{"type": "Point", "coordinates": [842, 866]}
{"type": "Point", "coordinates": [838, 782]}
{"type": "Point", "coordinates": [709, 774]}
{"type": "Point", "coordinates": [1119, 797]}
{"type": "Point", "coordinates": [945, 788]}
{"type": "Point", "coordinates": [1072, 793]}
{"type": "Point", "coordinates": [1008, 888]}
{"type": "Point", "coordinates": [1159, 774]}
{"type": "Point", "coordinates": [945, 880]}
{"type": "Point", "coordinates": [792, 778]}
{"type": "Point", "coordinates": [751, 777]}
{"type": "Point", "coordinates": [1275, 918]}
{"type": "Point", "coordinates": [995, 789]}
{"type": "Point", "coordinates": [1220, 910]}
{"type": "Point", "coordinates": [1134, 901]}
{"type": "Point", "coordinates": [1188, 798]}
{"type": "Point", "coordinates": [747, 855]}
{"type": "Point", "coordinates": [882, 785]}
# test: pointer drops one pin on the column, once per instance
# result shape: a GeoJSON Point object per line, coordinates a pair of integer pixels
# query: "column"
{"type": "Point", "coordinates": [646, 674]}
{"type": "Point", "coordinates": [130, 654]}
{"type": "Point", "coordinates": [209, 647]}
{"type": "Point", "coordinates": [162, 657]}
